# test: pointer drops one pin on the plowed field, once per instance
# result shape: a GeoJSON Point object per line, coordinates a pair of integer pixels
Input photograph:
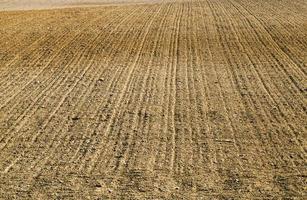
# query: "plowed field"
{"type": "Point", "coordinates": [182, 99]}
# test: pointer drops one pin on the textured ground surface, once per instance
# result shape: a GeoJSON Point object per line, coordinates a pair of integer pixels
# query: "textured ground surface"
{"type": "Point", "coordinates": [168, 100]}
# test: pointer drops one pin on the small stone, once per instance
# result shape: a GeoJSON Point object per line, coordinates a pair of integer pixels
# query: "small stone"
{"type": "Point", "coordinates": [75, 118]}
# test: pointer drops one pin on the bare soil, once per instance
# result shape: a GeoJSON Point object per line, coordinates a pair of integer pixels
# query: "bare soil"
{"type": "Point", "coordinates": [198, 99]}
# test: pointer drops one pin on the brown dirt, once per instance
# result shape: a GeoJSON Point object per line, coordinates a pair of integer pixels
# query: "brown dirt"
{"type": "Point", "coordinates": [200, 99]}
